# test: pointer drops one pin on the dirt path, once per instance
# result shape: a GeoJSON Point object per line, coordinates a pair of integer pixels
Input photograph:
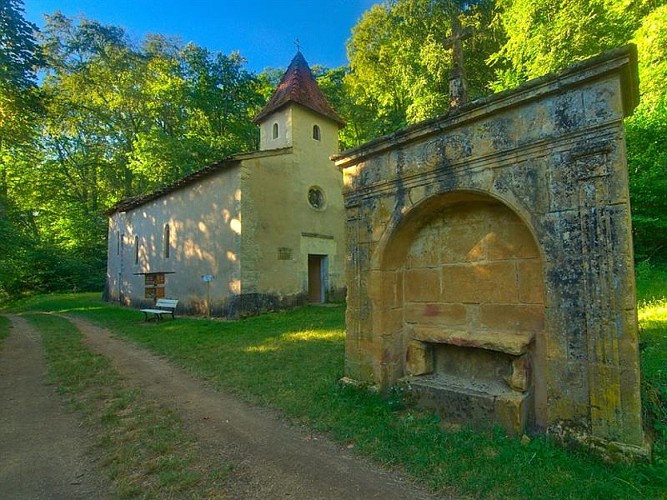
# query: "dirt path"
{"type": "Point", "coordinates": [270, 459]}
{"type": "Point", "coordinates": [44, 453]}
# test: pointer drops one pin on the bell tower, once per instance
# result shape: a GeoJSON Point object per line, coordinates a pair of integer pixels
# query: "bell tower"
{"type": "Point", "coordinates": [298, 115]}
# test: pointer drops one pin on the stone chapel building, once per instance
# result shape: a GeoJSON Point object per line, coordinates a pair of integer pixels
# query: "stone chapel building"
{"type": "Point", "coordinates": [256, 231]}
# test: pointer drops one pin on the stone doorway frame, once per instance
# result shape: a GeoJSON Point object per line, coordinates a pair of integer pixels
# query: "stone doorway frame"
{"type": "Point", "coordinates": [553, 150]}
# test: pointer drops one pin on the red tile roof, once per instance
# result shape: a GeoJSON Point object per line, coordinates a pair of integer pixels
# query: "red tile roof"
{"type": "Point", "coordinates": [298, 85]}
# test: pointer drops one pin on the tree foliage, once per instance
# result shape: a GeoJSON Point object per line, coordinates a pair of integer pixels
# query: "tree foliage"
{"type": "Point", "coordinates": [111, 117]}
{"type": "Point", "coordinates": [19, 57]}
{"type": "Point", "coordinates": [647, 140]}
{"type": "Point", "coordinates": [120, 118]}
{"type": "Point", "coordinates": [399, 66]}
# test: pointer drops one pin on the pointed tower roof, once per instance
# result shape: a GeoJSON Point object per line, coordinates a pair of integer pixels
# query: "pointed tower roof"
{"type": "Point", "coordinates": [298, 85]}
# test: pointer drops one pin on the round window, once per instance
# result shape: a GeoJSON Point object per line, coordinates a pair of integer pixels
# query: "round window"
{"type": "Point", "coordinates": [316, 198]}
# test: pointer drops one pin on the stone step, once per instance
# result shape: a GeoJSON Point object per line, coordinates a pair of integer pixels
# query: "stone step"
{"type": "Point", "coordinates": [480, 404]}
{"type": "Point", "coordinates": [515, 343]}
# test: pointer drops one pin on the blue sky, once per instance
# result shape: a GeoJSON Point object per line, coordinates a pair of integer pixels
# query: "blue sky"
{"type": "Point", "coordinates": [263, 31]}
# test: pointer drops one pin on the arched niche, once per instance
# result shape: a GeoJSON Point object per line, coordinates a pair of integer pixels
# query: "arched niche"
{"type": "Point", "coordinates": [459, 297]}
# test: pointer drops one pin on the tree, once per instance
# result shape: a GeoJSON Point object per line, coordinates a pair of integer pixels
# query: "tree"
{"type": "Point", "coordinates": [120, 119]}
{"type": "Point", "coordinates": [647, 140]}
{"type": "Point", "coordinates": [399, 66]}
{"type": "Point", "coordinates": [543, 37]}
{"type": "Point", "coordinates": [19, 57]}
{"type": "Point", "coordinates": [19, 104]}
{"type": "Point", "coordinates": [19, 111]}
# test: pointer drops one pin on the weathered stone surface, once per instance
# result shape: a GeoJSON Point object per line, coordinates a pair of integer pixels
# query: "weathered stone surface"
{"type": "Point", "coordinates": [510, 343]}
{"type": "Point", "coordinates": [419, 358]}
{"type": "Point", "coordinates": [502, 231]}
{"type": "Point", "coordinates": [460, 401]}
{"type": "Point", "coordinates": [520, 378]}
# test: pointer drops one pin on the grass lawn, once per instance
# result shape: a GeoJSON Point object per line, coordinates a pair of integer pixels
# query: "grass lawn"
{"type": "Point", "coordinates": [293, 361]}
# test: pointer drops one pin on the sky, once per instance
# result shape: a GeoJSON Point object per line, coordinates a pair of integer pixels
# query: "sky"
{"type": "Point", "coordinates": [263, 31]}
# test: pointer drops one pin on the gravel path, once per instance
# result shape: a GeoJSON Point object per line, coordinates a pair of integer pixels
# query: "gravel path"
{"type": "Point", "coordinates": [269, 459]}
{"type": "Point", "coordinates": [44, 453]}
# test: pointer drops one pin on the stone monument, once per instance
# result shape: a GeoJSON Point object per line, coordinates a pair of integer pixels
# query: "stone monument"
{"type": "Point", "coordinates": [490, 264]}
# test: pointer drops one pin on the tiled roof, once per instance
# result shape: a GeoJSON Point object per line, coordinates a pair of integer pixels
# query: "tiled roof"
{"type": "Point", "coordinates": [298, 85]}
{"type": "Point", "coordinates": [229, 162]}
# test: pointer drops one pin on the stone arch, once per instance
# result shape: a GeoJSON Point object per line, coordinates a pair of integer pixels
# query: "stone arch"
{"type": "Point", "coordinates": [458, 289]}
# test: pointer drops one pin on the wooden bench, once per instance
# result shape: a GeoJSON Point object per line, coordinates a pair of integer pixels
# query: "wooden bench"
{"type": "Point", "coordinates": [162, 307]}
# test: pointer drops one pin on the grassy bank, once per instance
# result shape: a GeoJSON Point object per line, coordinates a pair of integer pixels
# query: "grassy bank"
{"type": "Point", "coordinates": [652, 309]}
{"type": "Point", "coordinates": [293, 361]}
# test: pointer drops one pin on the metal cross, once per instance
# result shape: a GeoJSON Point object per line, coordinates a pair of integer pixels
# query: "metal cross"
{"type": "Point", "coordinates": [298, 45]}
{"type": "Point", "coordinates": [458, 86]}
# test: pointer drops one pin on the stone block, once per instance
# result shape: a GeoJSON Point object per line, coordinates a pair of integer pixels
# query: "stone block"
{"type": "Point", "coordinates": [602, 102]}
{"type": "Point", "coordinates": [505, 342]}
{"type": "Point", "coordinates": [480, 283]}
{"type": "Point", "coordinates": [510, 239]}
{"type": "Point", "coordinates": [387, 322]}
{"type": "Point", "coordinates": [531, 281]}
{"type": "Point", "coordinates": [426, 249]}
{"type": "Point", "coordinates": [454, 399]}
{"type": "Point", "coordinates": [421, 285]}
{"type": "Point", "coordinates": [436, 314]}
{"type": "Point", "coordinates": [520, 378]}
{"type": "Point", "coordinates": [419, 358]}
{"type": "Point", "coordinates": [465, 241]}
{"type": "Point", "coordinates": [501, 317]}
{"type": "Point", "coordinates": [511, 412]}
{"type": "Point", "coordinates": [382, 288]}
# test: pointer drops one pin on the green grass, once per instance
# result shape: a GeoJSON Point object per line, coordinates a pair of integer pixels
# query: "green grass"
{"type": "Point", "coordinates": [293, 361]}
{"type": "Point", "coordinates": [4, 329]}
{"type": "Point", "coordinates": [652, 312]}
{"type": "Point", "coordinates": [144, 448]}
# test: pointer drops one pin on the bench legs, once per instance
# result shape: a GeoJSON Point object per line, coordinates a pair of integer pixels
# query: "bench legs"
{"type": "Point", "coordinates": [158, 316]}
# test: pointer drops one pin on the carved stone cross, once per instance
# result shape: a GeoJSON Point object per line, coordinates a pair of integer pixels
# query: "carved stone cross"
{"type": "Point", "coordinates": [458, 86]}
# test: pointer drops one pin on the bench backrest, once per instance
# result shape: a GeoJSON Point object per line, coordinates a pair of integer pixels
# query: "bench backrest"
{"type": "Point", "coordinates": [167, 303]}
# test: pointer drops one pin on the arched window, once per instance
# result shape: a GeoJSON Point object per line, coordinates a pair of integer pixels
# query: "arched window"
{"type": "Point", "coordinates": [316, 132]}
{"type": "Point", "coordinates": [275, 130]}
{"type": "Point", "coordinates": [167, 234]}
{"type": "Point", "coordinates": [136, 249]}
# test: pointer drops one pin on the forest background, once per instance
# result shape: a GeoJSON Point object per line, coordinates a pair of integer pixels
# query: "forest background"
{"type": "Point", "coordinates": [89, 116]}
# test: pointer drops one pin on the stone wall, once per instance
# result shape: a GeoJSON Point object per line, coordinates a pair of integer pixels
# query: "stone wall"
{"type": "Point", "coordinates": [490, 258]}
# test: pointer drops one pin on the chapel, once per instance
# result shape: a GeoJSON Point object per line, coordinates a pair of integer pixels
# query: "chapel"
{"type": "Point", "coordinates": [253, 232]}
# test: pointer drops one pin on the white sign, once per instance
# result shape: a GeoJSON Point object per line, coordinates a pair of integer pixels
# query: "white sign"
{"type": "Point", "coordinates": [207, 278]}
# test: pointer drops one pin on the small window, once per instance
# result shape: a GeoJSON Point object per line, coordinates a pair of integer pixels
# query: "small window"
{"type": "Point", "coordinates": [316, 198]}
{"type": "Point", "coordinates": [275, 130]}
{"type": "Point", "coordinates": [167, 240]}
{"type": "Point", "coordinates": [316, 132]}
{"type": "Point", "coordinates": [136, 249]}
